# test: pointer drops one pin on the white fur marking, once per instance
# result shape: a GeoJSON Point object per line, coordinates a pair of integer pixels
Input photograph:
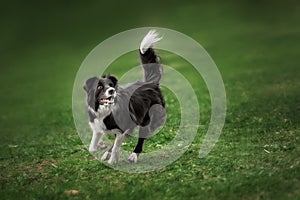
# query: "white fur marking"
{"type": "Point", "coordinates": [96, 126]}
{"type": "Point", "coordinates": [133, 158]}
{"type": "Point", "coordinates": [149, 40]}
{"type": "Point", "coordinates": [114, 157]}
{"type": "Point", "coordinates": [104, 110]}
{"type": "Point", "coordinates": [107, 92]}
{"type": "Point", "coordinates": [96, 144]}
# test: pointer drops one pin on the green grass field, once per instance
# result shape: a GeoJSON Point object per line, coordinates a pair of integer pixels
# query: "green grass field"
{"type": "Point", "coordinates": [255, 45]}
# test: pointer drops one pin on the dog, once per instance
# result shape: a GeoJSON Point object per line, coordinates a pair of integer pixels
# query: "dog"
{"type": "Point", "coordinates": [119, 110]}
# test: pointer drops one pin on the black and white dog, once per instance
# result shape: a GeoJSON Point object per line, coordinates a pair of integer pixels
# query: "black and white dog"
{"type": "Point", "coordinates": [118, 110]}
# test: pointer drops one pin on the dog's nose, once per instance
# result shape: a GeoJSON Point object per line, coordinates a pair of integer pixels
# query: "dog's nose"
{"type": "Point", "coordinates": [111, 91]}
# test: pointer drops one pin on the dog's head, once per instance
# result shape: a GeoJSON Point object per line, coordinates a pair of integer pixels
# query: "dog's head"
{"type": "Point", "coordinates": [101, 91]}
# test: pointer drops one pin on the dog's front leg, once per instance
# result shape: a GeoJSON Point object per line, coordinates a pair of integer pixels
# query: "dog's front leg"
{"type": "Point", "coordinates": [116, 149]}
{"type": "Point", "coordinates": [96, 143]}
{"type": "Point", "coordinates": [115, 152]}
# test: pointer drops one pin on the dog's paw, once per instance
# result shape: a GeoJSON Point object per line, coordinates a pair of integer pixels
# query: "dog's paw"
{"type": "Point", "coordinates": [133, 158]}
{"type": "Point", "coordinates": [106, 156]}
{"type": "Point", "coordinates": [93, 149]}
{"type": "Point", "coordinates": [114, 158]}
{"type": "Point", "coordinates": [99, 147]}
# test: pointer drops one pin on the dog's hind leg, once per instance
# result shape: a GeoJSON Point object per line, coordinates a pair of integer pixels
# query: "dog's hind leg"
{"type": "Point", "coordinates": [136, 152]}
{"type": "Point", "coordinates": [157, 115]}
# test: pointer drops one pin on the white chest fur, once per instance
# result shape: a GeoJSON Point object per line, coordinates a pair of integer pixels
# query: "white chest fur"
{"type": "Point", "coordinates": [98, 125]}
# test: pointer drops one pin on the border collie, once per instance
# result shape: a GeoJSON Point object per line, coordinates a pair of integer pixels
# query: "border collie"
{"type": "Point", "coordinates": [120, 109]}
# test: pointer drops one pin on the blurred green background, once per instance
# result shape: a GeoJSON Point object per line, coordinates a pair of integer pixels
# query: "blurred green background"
{"type": "Point", "coordinates": [255, 45]}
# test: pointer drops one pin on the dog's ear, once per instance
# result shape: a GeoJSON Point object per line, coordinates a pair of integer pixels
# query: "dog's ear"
{"type": "Point", "coordinates": [113, 79]}
{"type": "Point", "coordinates": [90, 83]}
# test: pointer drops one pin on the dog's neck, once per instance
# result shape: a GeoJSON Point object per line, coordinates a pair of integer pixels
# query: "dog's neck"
{"type": "Point", "coordinates": [104, 110]}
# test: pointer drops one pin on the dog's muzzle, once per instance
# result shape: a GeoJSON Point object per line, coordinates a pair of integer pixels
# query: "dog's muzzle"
{"type": "Point", "coordinates": [108, 100]}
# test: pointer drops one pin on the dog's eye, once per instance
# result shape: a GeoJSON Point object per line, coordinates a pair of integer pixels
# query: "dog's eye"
{"type": "Point", "coordinates": [111, 85]}
{"type": "Point", "coordinates": [100, 87]}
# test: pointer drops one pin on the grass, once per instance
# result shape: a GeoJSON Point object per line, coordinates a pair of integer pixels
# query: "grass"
{"type": "Point", "coordinates": [255, 44]}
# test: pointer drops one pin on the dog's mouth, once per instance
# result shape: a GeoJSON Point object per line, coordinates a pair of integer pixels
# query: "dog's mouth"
{"type": "Point", "coordinates": [106, 101]}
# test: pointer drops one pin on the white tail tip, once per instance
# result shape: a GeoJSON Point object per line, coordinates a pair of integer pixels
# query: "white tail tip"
{"type": "Point", "coordinates": [148, 41]}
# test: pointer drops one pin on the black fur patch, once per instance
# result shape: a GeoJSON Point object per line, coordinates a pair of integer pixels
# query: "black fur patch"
{"type": "Point", "coordinates": [113, 79]}
{"type": "Point", "coordinates": [89, 88]}
{"type": "Point", "coordinates": [142, 100]}
{"type": "Point", "coordinates": [110, 123]}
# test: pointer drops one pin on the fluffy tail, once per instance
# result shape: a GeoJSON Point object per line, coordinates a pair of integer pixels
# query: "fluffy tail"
{"type": "Point", "coordinates": [152, 67]}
